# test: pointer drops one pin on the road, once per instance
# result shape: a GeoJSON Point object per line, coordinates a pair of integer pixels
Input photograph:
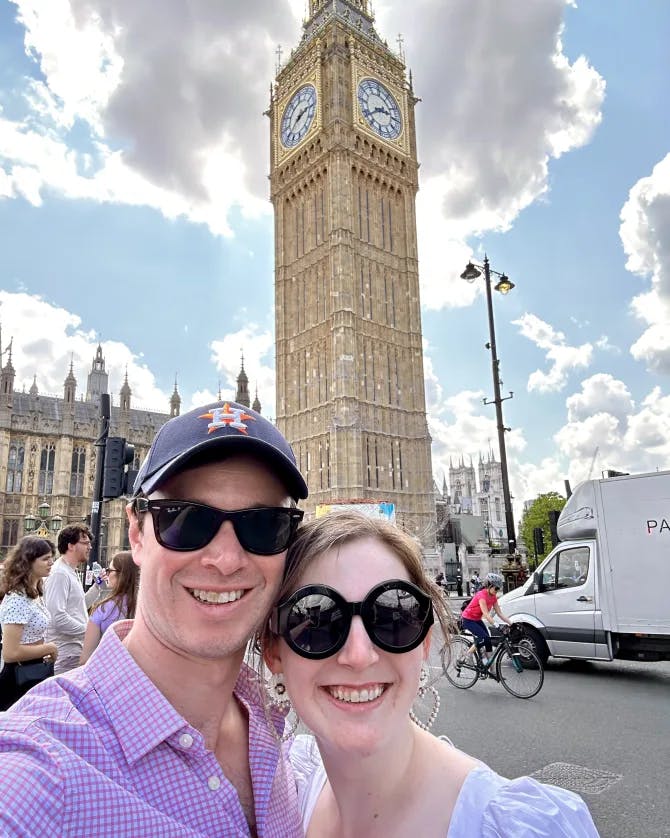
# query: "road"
{"type": "Point", "coordinates": [602, 729]}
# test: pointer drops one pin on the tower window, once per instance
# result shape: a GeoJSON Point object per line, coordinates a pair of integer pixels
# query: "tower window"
{"type": "Point", "coordinates": [77, 472]}
{"type": "Point", "coordinates": [10, 534]}
{"type": "Point", "coordinates": [47, 464]}
{"type": "Point", "coordinates": [15, 468]}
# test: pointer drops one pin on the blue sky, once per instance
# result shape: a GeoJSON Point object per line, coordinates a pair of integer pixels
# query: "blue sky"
{"type": "Point", "coordinates": [134, 210]}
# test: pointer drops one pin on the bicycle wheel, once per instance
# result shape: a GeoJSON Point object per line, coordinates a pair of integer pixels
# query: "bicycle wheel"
{"type": "Point", "coordinates": [521, 675]}
{"type": "Point", "coordinates": [459, 667]}
{"type": "Point", "coordinates": [434, 660]}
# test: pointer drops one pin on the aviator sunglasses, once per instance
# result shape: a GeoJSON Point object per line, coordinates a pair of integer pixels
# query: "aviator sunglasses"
{"type": "Point", "coordinates": [316, 619]}
{"type": "Point", "coordinates": [185, 526]}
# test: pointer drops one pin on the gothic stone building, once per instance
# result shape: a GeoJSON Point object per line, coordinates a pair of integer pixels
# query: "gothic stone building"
{"type": "Point", "coordinates": [344, 178]}
{"type": "Point", "coordinates": [47, 453]}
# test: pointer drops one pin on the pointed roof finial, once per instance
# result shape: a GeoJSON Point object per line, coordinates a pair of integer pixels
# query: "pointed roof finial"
{"type": "Point", "coordinates": [219, 396]}
{"type": "Point", "coordinates": [33, 390]}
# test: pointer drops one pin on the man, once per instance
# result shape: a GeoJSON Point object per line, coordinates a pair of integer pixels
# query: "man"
{"type": "Point", "coordinates": [163, 731]}
{"type": "Point", "coordinates": [65, 599]}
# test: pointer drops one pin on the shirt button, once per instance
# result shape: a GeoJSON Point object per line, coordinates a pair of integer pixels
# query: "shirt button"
{"type": "Point", "coordinates": [186, 740]}
{"type": "Point", "coordinates": [214, 783]}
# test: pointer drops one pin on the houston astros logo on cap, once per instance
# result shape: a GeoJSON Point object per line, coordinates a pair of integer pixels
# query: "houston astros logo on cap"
{"type": "Point", "coordinates": [226, 417]}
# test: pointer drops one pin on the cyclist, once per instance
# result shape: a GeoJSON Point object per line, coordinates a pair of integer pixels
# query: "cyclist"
{"type": "Point", "coordinates": [479, 609]}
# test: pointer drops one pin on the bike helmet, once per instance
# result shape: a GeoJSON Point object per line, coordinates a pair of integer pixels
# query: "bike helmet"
{"type": "Point", "coordinates": [494, 579]}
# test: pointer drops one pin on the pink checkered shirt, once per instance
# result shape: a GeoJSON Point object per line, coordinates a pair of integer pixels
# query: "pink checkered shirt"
{"type": "Point", "coordinates": [101, 752]}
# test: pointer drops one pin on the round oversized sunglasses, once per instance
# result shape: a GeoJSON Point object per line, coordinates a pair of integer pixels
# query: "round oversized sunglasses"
{"type": "Point", "coordinates": [185, 526]}
{"type": "Point", "coordinates": [316, 619]}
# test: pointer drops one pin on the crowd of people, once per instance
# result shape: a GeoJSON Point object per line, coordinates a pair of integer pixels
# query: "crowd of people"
{"type": "Point", "coordinates": [162, 720]}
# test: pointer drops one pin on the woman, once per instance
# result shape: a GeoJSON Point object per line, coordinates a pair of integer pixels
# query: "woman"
{"type": "Point", "coordinates": [348, 640]}
{"type": "Point", "coordinates": [479, 609]}
{"type": "Point", "coordinates": [24, 619]}
{"type": "Point", "coordinates": [122, 577]}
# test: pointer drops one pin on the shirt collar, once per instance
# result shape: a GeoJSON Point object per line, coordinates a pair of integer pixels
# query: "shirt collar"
{"type": "Point", "coordinates": [141, 724]}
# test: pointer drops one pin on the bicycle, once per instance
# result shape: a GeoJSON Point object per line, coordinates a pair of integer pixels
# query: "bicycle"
{"type": "Point", "coordinates": [520, 672]}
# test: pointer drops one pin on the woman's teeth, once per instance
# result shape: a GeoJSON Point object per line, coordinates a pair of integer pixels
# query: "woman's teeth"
{"type": "Point", "coordinates": [356, 696]}
{"type": "Point", "coordinates": [217, 596]}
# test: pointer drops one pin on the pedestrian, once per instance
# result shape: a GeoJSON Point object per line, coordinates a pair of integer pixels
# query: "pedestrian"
{"type": "Point", "coordinates": [65, 598]}
{"type": "Point", "coordinates": [163, 731]}
{"type": "Point", "coordinates": [119, 604]}
{"type": "Point", "coordinates": [347, 643]}
{"type": "Point", "coordinates": [475, 583]}
{"type": "Point", "coordinates": [26, 658]}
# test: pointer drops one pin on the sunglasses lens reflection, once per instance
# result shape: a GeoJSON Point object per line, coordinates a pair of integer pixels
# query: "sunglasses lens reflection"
{"type": "Point", "coordinates": [316, 624]}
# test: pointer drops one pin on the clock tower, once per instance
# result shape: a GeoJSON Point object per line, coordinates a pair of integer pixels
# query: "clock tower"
{"type": "Point", "coordinates": [344, 178]}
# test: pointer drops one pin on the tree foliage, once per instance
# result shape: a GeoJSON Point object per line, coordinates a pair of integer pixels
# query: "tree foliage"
{"type": "Point", "coordinates": [537, 515]}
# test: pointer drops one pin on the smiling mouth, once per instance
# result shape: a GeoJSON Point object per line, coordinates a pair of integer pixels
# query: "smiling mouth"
{"type": "Point", "coordinates": [353, 696]}
{"type": "Point", "coordinates": [215, 597]}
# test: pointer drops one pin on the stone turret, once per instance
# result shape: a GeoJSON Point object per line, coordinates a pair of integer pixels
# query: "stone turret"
{"type": "Point", "coordinates": [125, 394]}
{"type": "Point", "coordinates": [70, 387]}
{"type": "Point", "coordinates": [256, 405]}
{"type": "Point", "coordinates": [98, 379]}
{"type": "Point", "coordinates": [175, 401]}
{"type": "Point", "coordinates": [242, 394]}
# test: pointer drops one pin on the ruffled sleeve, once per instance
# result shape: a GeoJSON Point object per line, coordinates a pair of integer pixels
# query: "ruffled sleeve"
{"type": "Point", "coordinates": [16, 609]}
{"type": "Point", "coordinates": [310, 775]}
{"type": "Point", "coordinates": [490, 806]}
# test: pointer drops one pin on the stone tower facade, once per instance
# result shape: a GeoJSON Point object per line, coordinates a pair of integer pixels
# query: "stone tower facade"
{"type": "Point", "coordinates": [344, 178]}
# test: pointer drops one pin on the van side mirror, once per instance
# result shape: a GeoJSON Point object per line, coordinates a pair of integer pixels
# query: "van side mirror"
{"type": "Point", "coordinates": [537, 582]}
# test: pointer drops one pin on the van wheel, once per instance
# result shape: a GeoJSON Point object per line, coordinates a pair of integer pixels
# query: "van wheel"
{"type": "Point", "coordinates": [533, 640]}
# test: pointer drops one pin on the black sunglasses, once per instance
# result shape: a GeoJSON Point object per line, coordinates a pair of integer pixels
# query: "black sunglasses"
{"type": "Point", "coordinates": [185, 526]}
{"type": "Point", "coordinates": [316, 619]}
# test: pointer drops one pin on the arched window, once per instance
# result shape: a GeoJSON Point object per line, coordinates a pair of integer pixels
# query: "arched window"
{"type": "Point", "coordinates": [47, 465]}
{"type": "Point", "coordinates": [15, 467]}
{"type": "Point", "coordinates": [10, 534]}
{"type": "Point", "coordinates": [77, 472]}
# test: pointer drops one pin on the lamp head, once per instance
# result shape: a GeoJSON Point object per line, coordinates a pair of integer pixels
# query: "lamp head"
{"type": "Point", "coordinates": [43, 511]}
{"type": "Point", "coordinates": [505, 285]}
{"type": "Point", "coordinates": [470, 273]}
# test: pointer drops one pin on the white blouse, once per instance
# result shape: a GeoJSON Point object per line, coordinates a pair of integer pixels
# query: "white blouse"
{"type": "Point", "coordinates": [488, 805]}
{"type": "Point", "coordinates": [32, 614]}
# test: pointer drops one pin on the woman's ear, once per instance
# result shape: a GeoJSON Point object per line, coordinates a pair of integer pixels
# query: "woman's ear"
{"type": "Point", "coordinates": [272, 654]}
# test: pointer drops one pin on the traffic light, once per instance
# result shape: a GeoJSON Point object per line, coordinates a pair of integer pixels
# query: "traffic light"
{"type": "Point", "coordinates": [118, 479]}
{"type": "Point", "coordinates": [538, 541]}
{"type": "Point", "coordinates": [554, 515]}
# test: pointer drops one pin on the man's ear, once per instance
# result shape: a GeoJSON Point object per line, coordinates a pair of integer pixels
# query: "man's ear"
{"type": "Point", "coordinates": [135, 535]}
{"type": "Point", "coordinates": [272, 654]}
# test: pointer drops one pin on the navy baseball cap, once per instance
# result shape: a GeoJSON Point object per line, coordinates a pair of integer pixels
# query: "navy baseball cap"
{"type": "Point", "coordinates": [213, 432]}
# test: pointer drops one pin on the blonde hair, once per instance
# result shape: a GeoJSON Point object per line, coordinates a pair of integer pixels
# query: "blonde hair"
{"type": "Point", "coordinates": [320, 535]}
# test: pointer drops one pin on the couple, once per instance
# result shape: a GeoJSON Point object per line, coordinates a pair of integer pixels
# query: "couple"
{"type": "Point", "coordinates": [164, 732]}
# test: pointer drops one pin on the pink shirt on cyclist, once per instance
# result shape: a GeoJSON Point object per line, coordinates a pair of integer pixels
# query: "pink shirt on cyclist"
{"type": "Point", "coordinates": [473, 610]}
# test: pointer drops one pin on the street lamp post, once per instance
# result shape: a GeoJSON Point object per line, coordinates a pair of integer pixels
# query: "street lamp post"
{"type": "Point", "coordinates": [44, 524]}
{"type": "Point", "coordinates": [504, 286]}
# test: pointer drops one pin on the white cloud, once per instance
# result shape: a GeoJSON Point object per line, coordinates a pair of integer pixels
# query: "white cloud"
{"type": "Point", "coordinates": [259, 363]}
{"type": "Point", "coordinates": [645, 235]}
{"type": "Point", "coordinates": [562, 357]}
{"type": "Point", "coordinates": [174, 105]}
{"type": "Point", "coordinates": [607, 430]}
{"type": "Point", "coordinates": [601, 393]}
{"type": "Point", "coordinates": [46, 338]}
{"type": "Point", "coordinates": [499, 100]}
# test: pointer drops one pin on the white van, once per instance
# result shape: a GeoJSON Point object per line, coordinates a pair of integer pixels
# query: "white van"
{"type": "Point", "coordinates": [604, 591]}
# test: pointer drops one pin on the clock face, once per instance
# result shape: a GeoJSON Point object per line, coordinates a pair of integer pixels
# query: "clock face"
{"type": "Point", "coordinates": [298, 116]}
{"type": "Point", "coordinates": [380, 109]}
